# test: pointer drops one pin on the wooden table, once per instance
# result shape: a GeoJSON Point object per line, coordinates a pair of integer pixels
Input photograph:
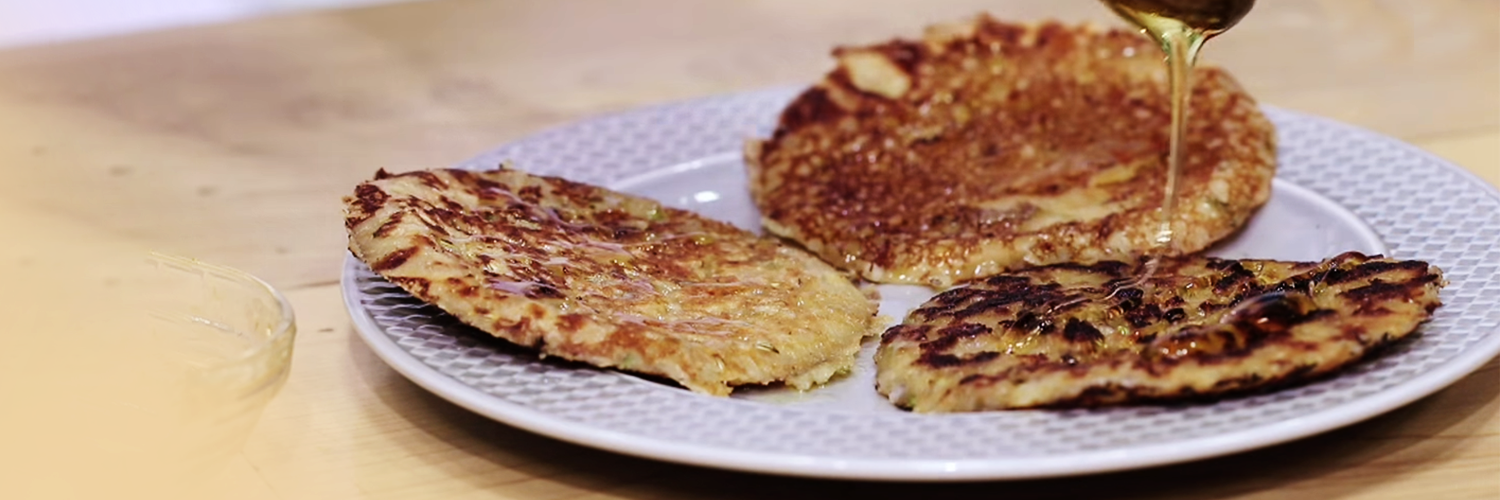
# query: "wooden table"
{"type": "Point", "coordinates": [233, 143]}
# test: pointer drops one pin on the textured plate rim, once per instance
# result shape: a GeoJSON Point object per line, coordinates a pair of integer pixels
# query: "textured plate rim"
{"type": "Point", "coordinates": [1003, 468]}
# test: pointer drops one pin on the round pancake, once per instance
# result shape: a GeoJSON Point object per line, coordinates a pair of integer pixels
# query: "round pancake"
{"type": "Point", "coordinates": [990, 146]}
{"type": "Point", "coordinates": [1074, 335]}
{"type": "Point", "coordinates": [609, 279]}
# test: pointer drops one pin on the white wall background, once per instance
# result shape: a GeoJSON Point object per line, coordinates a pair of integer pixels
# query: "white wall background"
{"type": "Point", "coordinates": [26, 22]}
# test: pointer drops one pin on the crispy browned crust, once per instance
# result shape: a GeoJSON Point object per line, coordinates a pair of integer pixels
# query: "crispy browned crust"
{"type": "Point", "coordinates": [1075, 335]}
{"type": "Point", "coordinates": [609, 279]}
{"type": "Point", "coordinates": [989, 146]}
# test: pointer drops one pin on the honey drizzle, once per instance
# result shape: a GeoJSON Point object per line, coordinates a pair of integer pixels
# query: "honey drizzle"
{"type": "Point", "coordinates": [1182, 48]}
{"type": "Point", "coordinates": [1180, 27]}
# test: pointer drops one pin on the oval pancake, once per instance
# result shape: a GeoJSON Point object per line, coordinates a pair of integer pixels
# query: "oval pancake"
{"type": "Point", "coordinates": [1070, 335]}
{"type": "Point", "coordinates": [608, 279]}
{"type": "Point", "coordinates": [989, 146]}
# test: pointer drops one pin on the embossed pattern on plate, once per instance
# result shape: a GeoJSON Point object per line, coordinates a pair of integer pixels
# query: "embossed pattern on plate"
{"type": "Point", "coordinates": [1420, 206]}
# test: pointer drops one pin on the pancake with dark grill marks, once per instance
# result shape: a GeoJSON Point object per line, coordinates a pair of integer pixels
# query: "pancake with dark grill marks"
{"type": "Point", "coordinates": [609, 279]}
{"type": "Point", "coordinates": [1073, 335]}
{"type": "Point", "coordinates": [990, 146]}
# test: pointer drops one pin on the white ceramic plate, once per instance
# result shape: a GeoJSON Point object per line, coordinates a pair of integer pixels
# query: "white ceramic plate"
{"type": "Point", "coordinates": [1338, 189]}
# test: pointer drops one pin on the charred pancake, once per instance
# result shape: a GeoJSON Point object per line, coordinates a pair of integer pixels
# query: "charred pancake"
{"type": "Point", "coordinates": [609, 279]}
{"type": "Point", "coordinates": [1081, 335]}
{"type": "Point", "coordinates": [990, 146]}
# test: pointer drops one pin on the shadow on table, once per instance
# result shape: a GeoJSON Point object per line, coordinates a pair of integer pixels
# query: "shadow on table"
{"type": "Point", "coordinates": [501, 459]}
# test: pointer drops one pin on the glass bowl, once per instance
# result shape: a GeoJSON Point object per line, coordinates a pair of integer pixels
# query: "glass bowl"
{"type": "Point", "coordinates": [224, 341]}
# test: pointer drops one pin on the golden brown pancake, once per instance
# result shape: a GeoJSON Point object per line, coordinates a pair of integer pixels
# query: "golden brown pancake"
{"type": "Point", "coordinates": [1086, 335]}
{"type": "Point", "coordinates": [990, 146]}
{"type": "Point", "coordinates": [613, 280]}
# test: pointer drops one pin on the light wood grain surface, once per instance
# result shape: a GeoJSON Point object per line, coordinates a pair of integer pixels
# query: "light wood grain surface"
{"type": "Point", "coordinates": [233, 144]}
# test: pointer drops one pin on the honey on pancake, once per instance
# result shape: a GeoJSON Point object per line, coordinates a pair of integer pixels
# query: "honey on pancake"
{"type": "Point", "coordinates": [1181, 27]}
